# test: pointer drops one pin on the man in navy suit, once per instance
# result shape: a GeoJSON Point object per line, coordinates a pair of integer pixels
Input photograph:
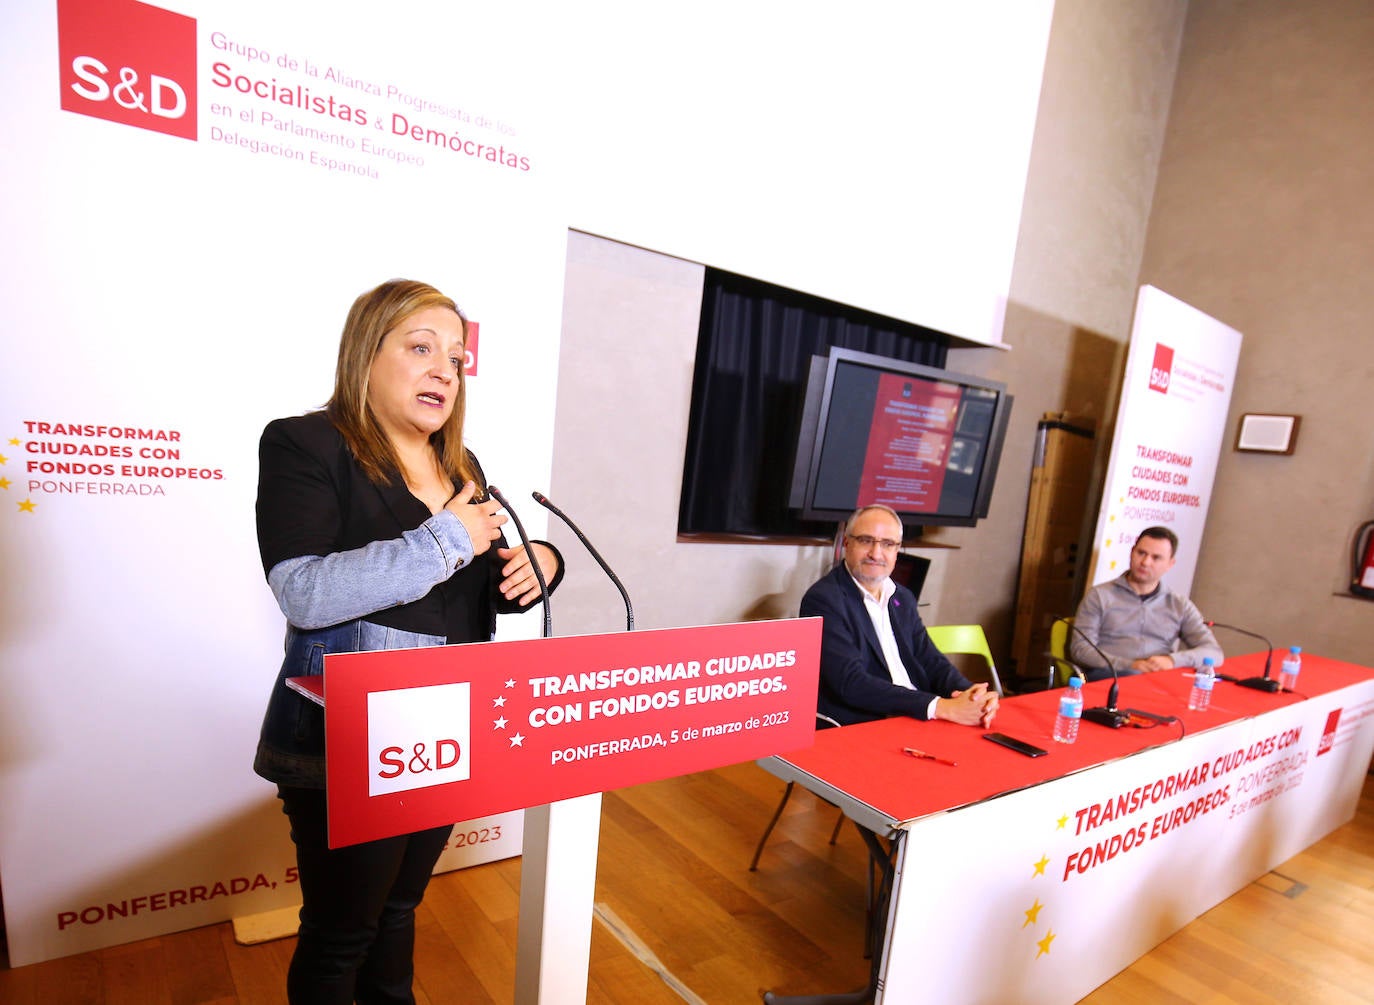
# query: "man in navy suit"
{"type": "Point", "coordinates": [876, 657]}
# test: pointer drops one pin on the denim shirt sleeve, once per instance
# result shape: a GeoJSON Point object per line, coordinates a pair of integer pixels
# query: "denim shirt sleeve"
{"type": "Point", "coordinates": [315, 591]}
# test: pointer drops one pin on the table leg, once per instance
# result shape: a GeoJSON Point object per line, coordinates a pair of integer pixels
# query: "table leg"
{"type": "Point", "coordinates": [876, 935]}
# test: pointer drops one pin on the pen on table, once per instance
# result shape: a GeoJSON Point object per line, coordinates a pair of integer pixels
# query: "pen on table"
{"type": "Point", "coordinates": [930, 757]}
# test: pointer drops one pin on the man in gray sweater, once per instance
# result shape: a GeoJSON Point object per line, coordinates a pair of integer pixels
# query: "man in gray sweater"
{"type": "Point", "coordinates": [1139, 623]}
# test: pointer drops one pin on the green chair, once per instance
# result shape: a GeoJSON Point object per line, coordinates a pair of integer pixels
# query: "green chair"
{"type": "Point", "coordinates": [1061, 667]}
{"type": "Point", "coordinates": [950, 639]}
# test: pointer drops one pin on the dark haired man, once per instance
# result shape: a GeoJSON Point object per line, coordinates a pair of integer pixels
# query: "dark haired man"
{"type": "Point", "coordinates": [1138, 622]}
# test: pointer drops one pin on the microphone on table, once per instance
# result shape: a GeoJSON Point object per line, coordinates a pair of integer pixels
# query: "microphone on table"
{"type": "Point", "coordinates": [1263, 682]}
{"type": "Point", "coordinates": [1106, 715]}
{"type": "Point", "coordinates": [534, 563]}
{"type": "Point", "coordinates": [543, 500]}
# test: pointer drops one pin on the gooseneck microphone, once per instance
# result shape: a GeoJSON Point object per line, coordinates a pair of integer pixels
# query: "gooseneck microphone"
{"type": "Point", "coordinates": [534, 564]}
{"type": "Point", "coordinates": [542, 500]}
{"type": "Point", "coordinates": [1263, 682]}
{"type": "Point", "coordinates": [1106, 715]}
{"type": "Point", "coordinates": [1110, 715]}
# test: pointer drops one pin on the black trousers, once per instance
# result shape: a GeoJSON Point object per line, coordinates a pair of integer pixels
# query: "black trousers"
{"type": "Point", "coordinates": [357, 934]}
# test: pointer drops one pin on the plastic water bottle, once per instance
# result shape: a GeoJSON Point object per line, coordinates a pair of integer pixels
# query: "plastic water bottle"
{"type": "Point", "coordinates": [1292, 666]}
{"type": "Point", "coordinates": [1070, 712]}
{"type": "Point", "coordinates": [1200, 697]}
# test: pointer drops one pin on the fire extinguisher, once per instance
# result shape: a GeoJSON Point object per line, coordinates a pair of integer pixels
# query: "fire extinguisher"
{"type": "Point", "coordinates": [1362, 562]}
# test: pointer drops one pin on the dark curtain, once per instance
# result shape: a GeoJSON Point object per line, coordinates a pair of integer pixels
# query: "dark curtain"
{"type": "Point", "coordinates": [753, 349]}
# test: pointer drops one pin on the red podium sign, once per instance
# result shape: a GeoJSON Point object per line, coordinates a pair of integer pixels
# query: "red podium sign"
{"type": "Point", "coordinates": [418, 738]}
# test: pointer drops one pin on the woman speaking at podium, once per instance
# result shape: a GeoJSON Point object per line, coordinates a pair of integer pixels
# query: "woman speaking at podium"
{"type": "Point", "coordinates": [375, 532]}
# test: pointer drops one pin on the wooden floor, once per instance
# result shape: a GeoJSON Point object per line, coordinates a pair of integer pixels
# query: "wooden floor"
{"type": "Point", "coordinates": [673, 871]}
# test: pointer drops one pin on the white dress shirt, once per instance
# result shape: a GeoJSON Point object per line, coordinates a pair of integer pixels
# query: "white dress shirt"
{"type": "Point", "coordinates": [882, 624]}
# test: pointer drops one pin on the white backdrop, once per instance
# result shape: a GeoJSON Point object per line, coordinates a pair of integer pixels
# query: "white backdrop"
{"type": "Point", "coordinates": [1180, 371]}
{"type": "Point", "coordinates": [874, 154]}
{"type": "Point", "coordinates": [194, 288]}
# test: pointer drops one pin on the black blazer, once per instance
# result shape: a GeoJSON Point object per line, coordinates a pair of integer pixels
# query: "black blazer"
{"type": "Point", "coordinates": [313, 499]}
{"type": "Point", "coordinates": [855, 684]}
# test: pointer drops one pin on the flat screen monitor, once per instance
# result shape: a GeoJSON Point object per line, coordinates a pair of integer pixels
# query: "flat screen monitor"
{"type": "Point", "coordinates": [924, 441]}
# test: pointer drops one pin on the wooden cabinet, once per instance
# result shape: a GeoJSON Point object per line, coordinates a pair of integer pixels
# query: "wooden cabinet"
{"type": "Point", "coordinates": [1052, 565]}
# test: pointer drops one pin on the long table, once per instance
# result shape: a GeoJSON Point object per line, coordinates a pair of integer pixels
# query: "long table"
{"type": "Point", "coordinates": [1036, 880]}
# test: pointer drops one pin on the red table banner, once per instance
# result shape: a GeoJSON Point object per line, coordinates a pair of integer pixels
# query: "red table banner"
{"type": "Point", "coordinates": [417, 738]}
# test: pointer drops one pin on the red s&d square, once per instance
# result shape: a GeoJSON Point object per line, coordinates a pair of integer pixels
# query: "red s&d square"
{"type": "Point", "coordinates": [1163, 368]}
{"type": "Point", "coordinates": [470, 363]}
{"type": "Point", "coordinates": [1329, 733]}
{"type": "Point", "coordinates": [130, 63]}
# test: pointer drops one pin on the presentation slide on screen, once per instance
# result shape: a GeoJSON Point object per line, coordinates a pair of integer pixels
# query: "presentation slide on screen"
{"type": "Point", "coordinates": [915, 444]}
{"type": "Point", "coordinates": [909, 443]}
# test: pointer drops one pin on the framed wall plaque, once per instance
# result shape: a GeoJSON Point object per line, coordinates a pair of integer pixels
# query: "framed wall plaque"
{"type": "Point", "coordinates": [1265, 433]}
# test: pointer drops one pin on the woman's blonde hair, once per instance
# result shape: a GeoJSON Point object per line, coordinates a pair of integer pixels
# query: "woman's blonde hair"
{"type": "Point", "coordinates": [374, 314]}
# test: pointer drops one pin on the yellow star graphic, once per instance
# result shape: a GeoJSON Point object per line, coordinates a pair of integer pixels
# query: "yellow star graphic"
{"type": "Point", "coordinates": [1032, 914]}
{"type": "Point", "coordinates": [4, 483]}
{"type": "Point", "coordinates": [1040, 866]}
{"type": "Point", "coordinates": [1111, 518]}
{"type": "Point", "coordinates": [1063, 822]}
{"type": "Point", "coordinates": [1113, 565]}
{"type": "Point", "coordinates": [1109, 542]}
{"type": "Point", "coordinates": [1044, 945]}
{"type": "Point", "coordinates": [14, 441]}
{"type": "Point", "coordinates": [27, 506]}
{"type": "Point", "coordinates": [4, 459]}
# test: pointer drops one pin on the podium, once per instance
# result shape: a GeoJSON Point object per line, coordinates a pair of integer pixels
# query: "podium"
{"type": "Point", "coordinates": [417, 738]}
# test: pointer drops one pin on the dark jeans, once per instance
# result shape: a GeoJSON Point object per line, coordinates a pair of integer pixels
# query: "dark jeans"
{"type": "Point", "coordinates": [357, 934]}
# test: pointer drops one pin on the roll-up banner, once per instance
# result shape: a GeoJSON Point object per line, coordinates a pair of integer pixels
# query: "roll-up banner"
{"type": "Point", "coordinates": [195, 193]}
{"type": "Point", "coordinates": [1180, 371]}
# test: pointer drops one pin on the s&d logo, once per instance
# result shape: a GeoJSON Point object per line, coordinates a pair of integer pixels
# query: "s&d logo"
{"type": "Point", "coordinates": [1329, 733]}
{"type": "Point", "coordinates": [418, 737]}
{"type": "Point", "coordinates": [1163, 368]}
{"type": "Point", "coordinates": [130, 63]}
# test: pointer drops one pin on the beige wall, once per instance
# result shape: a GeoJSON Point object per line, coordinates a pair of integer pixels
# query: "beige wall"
{"type": "Point", "coordinates": [1264, 218]}
{"type": "Point", "coordinates": [1103, 109]}
{"type": "Point", "coordinates": [630, 322]}
{"type": "Point", "coordinates": [1240, 135]}
{"type": "Point", "coordinates": [625, 379]}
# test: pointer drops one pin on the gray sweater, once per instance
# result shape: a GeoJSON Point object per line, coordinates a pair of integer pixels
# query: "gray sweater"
{"type": "Point", "coordinates": [1127, 627]}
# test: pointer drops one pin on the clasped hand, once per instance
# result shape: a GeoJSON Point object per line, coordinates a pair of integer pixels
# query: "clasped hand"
{"type": "Point", "coordinates": [975, 707]}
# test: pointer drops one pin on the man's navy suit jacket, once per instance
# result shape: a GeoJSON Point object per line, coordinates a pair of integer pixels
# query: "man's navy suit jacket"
{"type": "Point", "coordinates": [855, 684]}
